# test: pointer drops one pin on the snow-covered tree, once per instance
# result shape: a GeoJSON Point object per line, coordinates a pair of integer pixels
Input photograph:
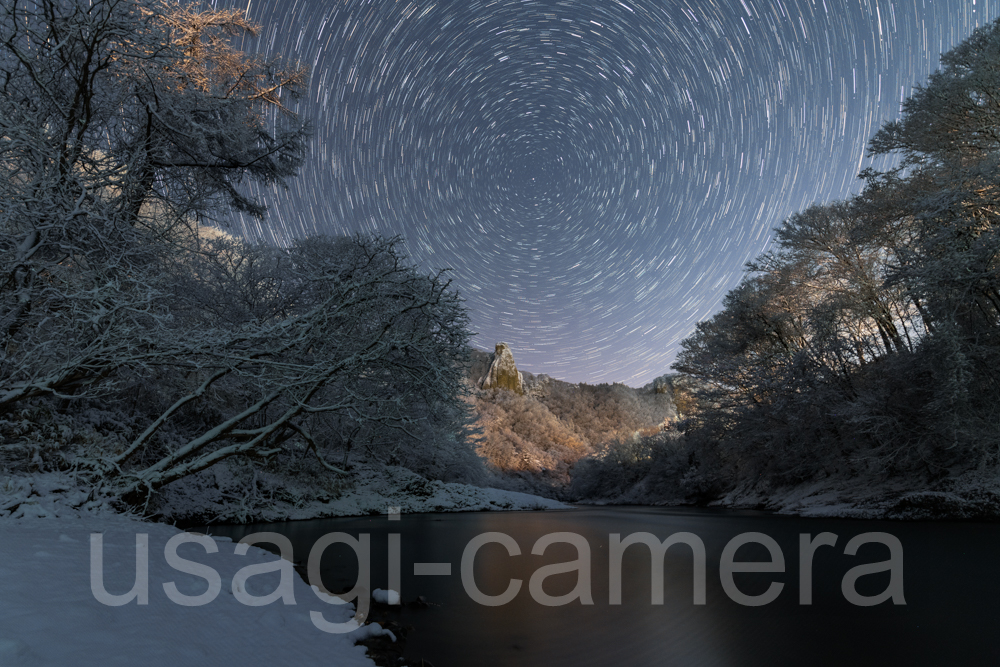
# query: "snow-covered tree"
{"type": "Point", "coordinates": [123, 125]}
{"type": "Point", "coordinates": [949, 138]}
{"type": "Point", "coordinates": [868, 338]}
{"type": "Point", "coordinates": [328, 344]}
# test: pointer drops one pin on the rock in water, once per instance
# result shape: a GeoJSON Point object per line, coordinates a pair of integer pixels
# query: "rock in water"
{"type": "Point", "coordinates": [503, 373]}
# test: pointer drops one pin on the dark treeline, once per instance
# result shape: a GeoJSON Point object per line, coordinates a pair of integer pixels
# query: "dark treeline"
{"type": "Point", "coordinates": [866, 343]}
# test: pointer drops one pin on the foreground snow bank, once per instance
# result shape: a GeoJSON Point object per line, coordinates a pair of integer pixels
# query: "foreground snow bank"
{"type": "Point", "coordinates": [369, 490]}
{"type": "Point", "coordinates": [49, 614]}
{"type": "Point", "coordinates": [51, 578]}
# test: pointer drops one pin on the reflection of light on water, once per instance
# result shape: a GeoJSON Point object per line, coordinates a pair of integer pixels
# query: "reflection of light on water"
{"type": "Point", "coordinates": [949, 617]}
{"type": "Point", "coordinates": [526, 633]}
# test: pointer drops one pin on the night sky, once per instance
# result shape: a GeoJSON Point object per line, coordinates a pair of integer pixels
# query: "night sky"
{"type": "Point", "coordinates": [597, 172]}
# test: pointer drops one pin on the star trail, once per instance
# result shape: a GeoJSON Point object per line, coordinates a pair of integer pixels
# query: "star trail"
{"type": "Point", "coordinates": [595, 173]}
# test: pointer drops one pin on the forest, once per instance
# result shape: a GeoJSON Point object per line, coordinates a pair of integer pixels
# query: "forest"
{"type": "Point", "coordinates": [141, 346]}
{"type": "Point", "coordinates": [534, 441]}
{"type": "Point", "coordinates": [146, 351]}
{"type": "Point", "coordinates": [863, 348]}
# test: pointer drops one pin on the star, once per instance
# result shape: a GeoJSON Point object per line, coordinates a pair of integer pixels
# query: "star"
{"type": "Point", "coordinates": [595, 174]}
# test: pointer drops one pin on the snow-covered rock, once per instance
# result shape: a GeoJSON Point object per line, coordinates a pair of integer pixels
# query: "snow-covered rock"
{"type": "Point", "coordinates": [385, 597]}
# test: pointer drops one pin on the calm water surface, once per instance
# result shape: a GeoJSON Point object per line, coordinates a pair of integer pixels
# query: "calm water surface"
{"type": "Point", "coordinates": [950, 570]}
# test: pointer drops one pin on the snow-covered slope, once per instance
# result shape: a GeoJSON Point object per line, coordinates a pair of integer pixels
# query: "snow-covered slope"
{"type": "Point", "coordinates": [973, 495]}
{"type": "Point", "coordinates": [369, 490]}
{"type": "Point", "coordinates": [50, 616]}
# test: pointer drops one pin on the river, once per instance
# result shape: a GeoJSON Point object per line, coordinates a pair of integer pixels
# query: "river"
{"type": "Point", "coordinates": [944, 609]}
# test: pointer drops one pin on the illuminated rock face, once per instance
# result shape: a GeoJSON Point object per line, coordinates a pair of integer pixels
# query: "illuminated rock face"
{"type": "Point", "coordinates": [503, 373]}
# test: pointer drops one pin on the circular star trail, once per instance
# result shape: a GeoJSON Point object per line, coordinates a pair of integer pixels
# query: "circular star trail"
{"type": "Point", "coordinates": [595, 173]}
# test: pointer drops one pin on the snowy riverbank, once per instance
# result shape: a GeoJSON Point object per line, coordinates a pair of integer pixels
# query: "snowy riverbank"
{"type": "Point", "coordinates": [51, 615]}
{"type": "Point", "coordinates": [973, 495]}
{"type": "Point", "coordinates": [370, 490]}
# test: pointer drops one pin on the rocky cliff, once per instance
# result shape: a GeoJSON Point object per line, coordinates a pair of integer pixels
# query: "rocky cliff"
{"type": "Point", "coordinates": [534, 431]}
{"type": "Point", "coordinates": [503, 373]}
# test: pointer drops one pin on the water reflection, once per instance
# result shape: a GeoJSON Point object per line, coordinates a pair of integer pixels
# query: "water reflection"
{"type": "Point", "coordinates": [951, 588]}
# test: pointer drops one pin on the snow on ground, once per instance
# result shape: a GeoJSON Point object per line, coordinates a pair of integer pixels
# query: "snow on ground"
{"type": "Point", "coordinates": [373, 491]}
{"type": "Point", "coordinates": [49, 614]}
{"type": "Point", "coordinates": [399, 487]}
{"type": "Point", "coordinates": [50, 582]}
{"type": "Point", "coordinates": [971, 495]}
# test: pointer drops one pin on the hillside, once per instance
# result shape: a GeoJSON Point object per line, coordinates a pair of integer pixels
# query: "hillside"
{"type": "Point", "coordinates": [534, 428]}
